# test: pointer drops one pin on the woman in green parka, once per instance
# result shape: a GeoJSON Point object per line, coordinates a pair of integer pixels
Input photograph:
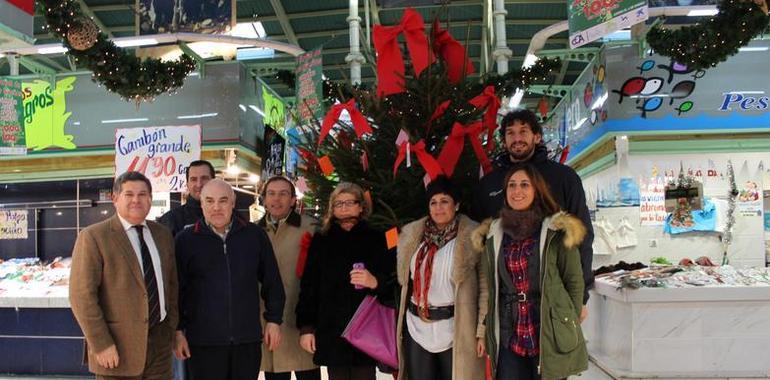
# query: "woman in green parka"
{"type": "Point", "coordinates": [535, 285]}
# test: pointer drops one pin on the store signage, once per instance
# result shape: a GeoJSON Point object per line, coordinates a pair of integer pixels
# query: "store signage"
{"type": "Point", "coordinates": [45, 114]}
{"type": "Point", "coordinates": [590, 20]}
{"type": "Point", "coordinates": [275, 114]}
{"type": "Point", "coordinates": [743, 102]}
{"type": "Point", "coordinates": [11, 111]}
{"type": "Point", "coordinates": [160, 153]}
{"type": "Point", "coordinates": [652, 206]}
{"type": "Point", "coordinates": [309, 74]}
{"type": "Point", "coordinates": [273, 153]}
{"type": "Point", "coordinates": [13, 224]}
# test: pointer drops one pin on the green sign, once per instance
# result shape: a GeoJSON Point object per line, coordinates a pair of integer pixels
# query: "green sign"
{"type": "Point", "coordinates": [45, 114]}
{"type": "Point", "coordinates": [590, 20]}
{"type": "Point", "coordinates": [275, 113]}
{"type": "Point", "coordinates": [309, 74]}
{"type": "Point", "coordinates": [12, 139]}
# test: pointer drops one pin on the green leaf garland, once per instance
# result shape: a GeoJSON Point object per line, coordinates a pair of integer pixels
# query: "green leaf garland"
{"type": "Point", "coordinates": [118, 69]}
{"type": "Point", "coordinates": [704, 45]}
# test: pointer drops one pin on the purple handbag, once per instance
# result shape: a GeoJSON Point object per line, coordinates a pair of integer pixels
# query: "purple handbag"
{"type": "Point", "coordinates": [373, 331]}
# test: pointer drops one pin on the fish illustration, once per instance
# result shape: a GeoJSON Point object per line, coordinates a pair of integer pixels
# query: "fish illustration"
{"type": "Point", "coordinates": [651, 104]}
{"type": "Point", "coordinates": [684, 107]}
{"type": "Point", "coordinates": [652, 86]}
{"type": "Point", "coordinates": [632, 86]}
{"type": "Point", "coordinates": [646, 66]}
{"type": "Point", "coordinates": [682, 90]}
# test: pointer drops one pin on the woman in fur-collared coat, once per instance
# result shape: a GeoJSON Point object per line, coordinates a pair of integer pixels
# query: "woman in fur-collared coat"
{"type": "Point", "coordinates": [443, 295]}
{"type": "Point", "coordinates": [535, 283]}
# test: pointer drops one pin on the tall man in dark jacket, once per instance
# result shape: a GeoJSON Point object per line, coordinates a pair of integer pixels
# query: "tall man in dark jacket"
{"type": "Point", "coordinates": [224, 264]}
{"type": "Point", "coordinates": [198, 174]}
{"type": "Point", "coordinates": [523, 137]}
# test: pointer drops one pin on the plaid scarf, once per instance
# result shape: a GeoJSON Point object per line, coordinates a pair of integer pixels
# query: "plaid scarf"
{"type": "Point", "coordinates": [433, 239]}
{"type": "Point", "coordinates": [524, 341]}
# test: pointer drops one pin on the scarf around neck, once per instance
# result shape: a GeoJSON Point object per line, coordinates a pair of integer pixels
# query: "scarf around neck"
{"type": "Point", "coordinates": [433, 239]}
{"type": "Point", "coordinates": [521, 224]}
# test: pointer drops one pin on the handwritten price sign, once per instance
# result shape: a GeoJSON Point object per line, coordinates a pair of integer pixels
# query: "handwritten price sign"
{"type": "Point", "coordinates": [160, 153]}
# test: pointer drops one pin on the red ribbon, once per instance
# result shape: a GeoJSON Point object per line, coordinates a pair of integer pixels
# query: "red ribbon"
{"type": "Point", "coordinates": [427, 161]}
{"type": "Point", "coordinates": [564, 155]}
{"type": "Point", "coordinates": [304, 246]}
{"type": "Point", "coordinates": [455, 143]}
{"type": "Point", "coordinates": [439, 111]}
{"type": "Point", "coordinates": [390, 63]}
{"type": "Point", "coordinates": [360, 125]}
{"type": "Point", "coordinates": [452, 52]}
{"type": "Point", "coordinates": [488, 99]}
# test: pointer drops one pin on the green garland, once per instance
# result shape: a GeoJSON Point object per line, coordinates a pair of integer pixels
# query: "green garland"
{"type": "Point", "coordinates": [705, 45]}
{"type": "Point", "coordinates": [118, 69]}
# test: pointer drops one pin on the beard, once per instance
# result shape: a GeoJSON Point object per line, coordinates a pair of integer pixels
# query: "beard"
{"type": "Point", "coordinates": [520, 152]}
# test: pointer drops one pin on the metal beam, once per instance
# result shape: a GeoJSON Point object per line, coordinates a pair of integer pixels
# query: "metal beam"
{"type": "Point", "coordinates": [578, 55]}
{"type": "Point", "coordinates": [50, 62]}
{"type": "Point", "coordinates": [88, 12]}
{"type": "Point", "coordinates": [111, 7]}
{"type": "Point", "coordinates": [558, 91]}
{"type": "Point", "coordinates": [284, 21]}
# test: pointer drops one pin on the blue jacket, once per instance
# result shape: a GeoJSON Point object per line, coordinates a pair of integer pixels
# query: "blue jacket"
{"type": "Point", "coordinates": [220, 282]}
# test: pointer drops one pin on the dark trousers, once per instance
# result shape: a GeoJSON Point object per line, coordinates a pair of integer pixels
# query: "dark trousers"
{"type": "Point", "coordinates": [423, 365]}
{"type": "Point", "coordinates": [311, 374]}
{"type": "Point", "coordinates": [233, 362]}
{"type": "Point", "coordinates": [351, 373]}
{"type": "Point", "coordinates": [512, 366]}
{"type": "Point", "coordinates": [158, 363]}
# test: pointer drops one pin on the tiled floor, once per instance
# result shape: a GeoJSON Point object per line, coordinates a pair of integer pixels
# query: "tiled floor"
{"type": "Point", "coordinates": [593, 373]}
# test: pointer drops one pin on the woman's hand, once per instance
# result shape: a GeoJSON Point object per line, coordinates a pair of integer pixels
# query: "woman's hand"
{"type": "Point", "coordinates": [481, 349]}
{"type": "Point", "coordinates": [362, 277]}
{"type": "Point", "coordinates": [307, 342]}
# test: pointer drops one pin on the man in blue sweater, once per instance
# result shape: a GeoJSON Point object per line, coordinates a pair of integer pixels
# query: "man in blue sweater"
{"type": "Point", "coordinates": [224, 265]}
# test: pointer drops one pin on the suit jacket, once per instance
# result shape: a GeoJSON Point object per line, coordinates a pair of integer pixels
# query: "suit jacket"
{"type": "Point", "coordinates": [108, 297]}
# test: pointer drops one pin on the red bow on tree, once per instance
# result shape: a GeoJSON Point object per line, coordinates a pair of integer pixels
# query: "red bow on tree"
{"type": "Point", "coordinates": [453, 147]}
{"type": "Point", "coordinates": [488, 99]}
{"type": "Point", "coordinates": [452, 52]}
{"type": "Point", "coordinates": [439, 111]}
{"type": "Point", "coordinates": [390, 63]}
{"type": "Point", "coordinates": [360, 125]}
{"type": "Point", "coordinates": [427, 161]}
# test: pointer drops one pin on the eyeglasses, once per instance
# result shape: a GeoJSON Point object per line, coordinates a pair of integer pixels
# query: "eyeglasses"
{"type": "Point", "coordinates": [348, 203]}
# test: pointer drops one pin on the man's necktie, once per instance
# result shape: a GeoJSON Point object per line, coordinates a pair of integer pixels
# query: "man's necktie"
{"type": "Point", "coordinates": [150, 283]}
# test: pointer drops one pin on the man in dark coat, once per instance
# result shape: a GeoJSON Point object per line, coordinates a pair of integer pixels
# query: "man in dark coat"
{"type": "Point", "coordinates": [523, 138]}
{"type": "Point", "coordinates": [198, 174]}
{"type": "Point", "coordinates": [225, 264]}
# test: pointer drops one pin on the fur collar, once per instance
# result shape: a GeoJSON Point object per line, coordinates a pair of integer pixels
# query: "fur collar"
{"type": "Point", "coordinates": [465, 259]}
{"type": "Point", "coordinates": [573, 228]}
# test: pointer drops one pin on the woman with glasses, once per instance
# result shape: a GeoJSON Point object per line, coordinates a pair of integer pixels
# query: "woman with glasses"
{"type": "Point", "coordinates": [443, 296]}
{"type": "Point", "coordinates": [346, 261]}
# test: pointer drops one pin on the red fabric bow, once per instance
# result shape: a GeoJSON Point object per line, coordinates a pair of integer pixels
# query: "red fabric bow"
{"type": "Point", "coordinates": [390, 63]}
{"type": "Point", "coordinates": [564, 155]}
{"type": "Point", "coordinates": [427, 161]}
{"type": "Point", "coordinates": [304, 246]}
{"type": "Point", "coordinates": [452, 52]}
{"type": "Point", "coordinates": [453, 147]}
{"type": "Point", "coordinates": [488, 99]}
{"type": "Point", "coordinates": [360, 125]}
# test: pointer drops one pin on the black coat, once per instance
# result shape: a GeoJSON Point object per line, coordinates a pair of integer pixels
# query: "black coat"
{"type": "Point", "coordinates": [566, 188]}
{"type": "Point", "coordinates": [327, 300]}
{"type": "Point", "coordinates": [220, 282]}
{"type": "Point", "coordinates": [177, 218]}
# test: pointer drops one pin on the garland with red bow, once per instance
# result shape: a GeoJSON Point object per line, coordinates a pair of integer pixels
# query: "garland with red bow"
{"type": "Point", "coordinates": [360, 125]}
{"type": "Point", "coordinates": [455, 143]}
{"type": "Point", "coordinates": [487, 99]}
{"type": "Point", "coordinates": [390, 63]}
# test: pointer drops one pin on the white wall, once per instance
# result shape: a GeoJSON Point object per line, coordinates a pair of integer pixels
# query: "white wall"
{"type": "Point", "coordinates": [748, 247]}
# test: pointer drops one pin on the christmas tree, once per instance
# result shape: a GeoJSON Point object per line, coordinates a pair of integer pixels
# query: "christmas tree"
{"type": "Point", "coordinates": [421, 120]}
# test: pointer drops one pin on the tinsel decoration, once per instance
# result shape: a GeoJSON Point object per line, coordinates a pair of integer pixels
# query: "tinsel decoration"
{"type": "Point", "coordinates": [727, 235]}
{"type": "Point", "coordinates": [117, 69]}
{"type": "Point", "coordinates": [704, 45]}
{"type": "Point", "coordinates": [83, 34]}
